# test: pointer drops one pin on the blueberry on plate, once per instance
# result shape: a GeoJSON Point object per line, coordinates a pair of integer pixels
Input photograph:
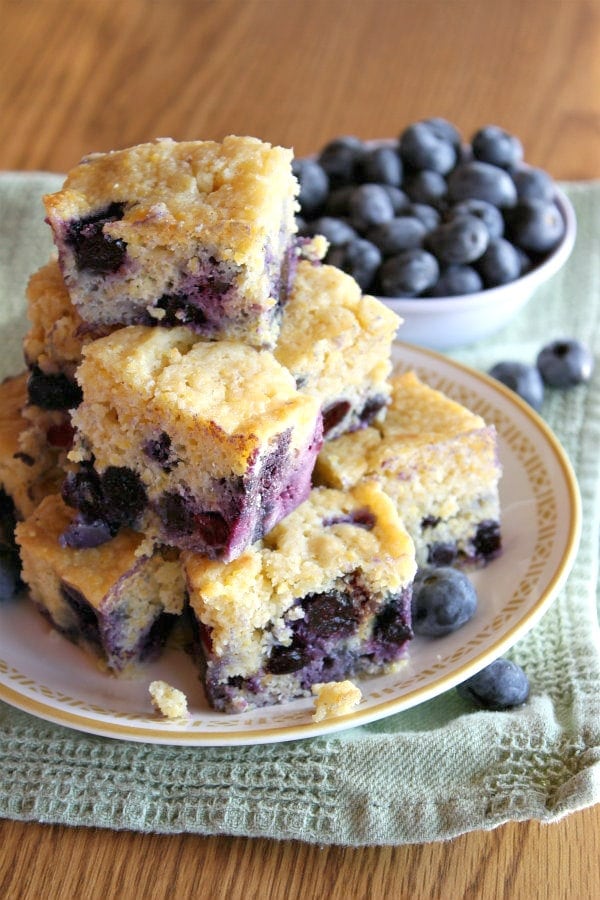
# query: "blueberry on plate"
{"type": "Point", "coordinates": [565, 363]}
{"type": "Point", "coordinates": [521, 378]}
{"type": "Point", "coordinates": [443, 600]}
{"type": "Point", "coordinates": [501, 685]}
{"type": "Point", "coordinates": [494, 145]}
{"type": "Point", "coordinates": [408, 274]}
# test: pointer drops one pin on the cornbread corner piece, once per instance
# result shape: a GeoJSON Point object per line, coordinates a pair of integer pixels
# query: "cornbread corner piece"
{"type": "Point", "coordinates": [196, 232]}
{"type": "Point", "coordinates": [29, 464]}
{"type": "Point", "coordinates": [334, 699]}
{"type": "Point", "coordinates": [337, 344]}
{"type": "Point", "coordinates": [438, 462]}
{"type": "Point", "coordinates": [167, 700]}
{"type": "Point", "coordinates": [325, 596]}
{"type": "Point", "coordinates": [109, 600]}
{"type": "Point", "coordinates": [206, 444]}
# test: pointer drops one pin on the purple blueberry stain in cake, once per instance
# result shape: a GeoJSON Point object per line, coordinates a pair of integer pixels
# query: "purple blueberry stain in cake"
{"type": "Point", "coordinates": [87, 626]}
{"type": "Point", "coordinates": [362, 518]}
{"type": "Point", "coordinates": [442, 553]}
{"type": "Point", "coordinates": [430, 522]}
{"type": "Point", "coordinates": [94, 250]}
{"type": "Point", "coordinates": [371, 409]}
{"type": "Point", "coordinates": [160, 451]}
{"type": "Point", "coordinates": [334, 415]}
{"type": "Point", "coordinates": [54, 391]}
{"type": "Point", "coordinates": [392, 628]}
{"type": "Point", "coordinates": [487, 541]}
{"type": "Point", "coordinates": [188, 524]}
{"type": "Point", "coordinates": [105, 503]}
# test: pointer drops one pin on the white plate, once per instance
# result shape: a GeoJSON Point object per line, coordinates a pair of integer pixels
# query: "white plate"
{"type": "Point", "coordinates": [43, 674]}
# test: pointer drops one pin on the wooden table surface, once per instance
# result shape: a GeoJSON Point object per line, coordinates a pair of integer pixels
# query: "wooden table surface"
{"type": "Point", "coordinates": [80, 76]}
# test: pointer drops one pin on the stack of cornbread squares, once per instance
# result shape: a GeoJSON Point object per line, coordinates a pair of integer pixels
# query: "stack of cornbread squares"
{"type": "Point", "coordinates": [209, 431]}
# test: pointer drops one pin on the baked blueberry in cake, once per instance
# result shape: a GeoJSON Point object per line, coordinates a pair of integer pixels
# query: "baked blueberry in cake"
{"type": "Point", "coordinates": [206, 445]}
{"type": "Point", "coordinates": [337, 342]}
{"type": "Point", "coordinates": [53, 343]}
{"type": "Point", "coordinates": [116, 604]}
{"type": "Point", "coordinates": [171, 233]}
{"type": "Point", "coordinates": [438, 462]}
{"type": "Point", "coordinates": [29, 463]}
{"type": "Point", "coordinates": [323, 597]}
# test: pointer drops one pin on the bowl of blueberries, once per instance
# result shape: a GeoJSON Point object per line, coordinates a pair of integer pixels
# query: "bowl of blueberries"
{"type": "Point", "coordinates": [454, 236]}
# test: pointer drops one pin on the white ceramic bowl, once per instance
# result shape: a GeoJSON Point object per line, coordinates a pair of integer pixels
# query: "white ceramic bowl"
{"type": "Point", "coordinates": [445, 322]}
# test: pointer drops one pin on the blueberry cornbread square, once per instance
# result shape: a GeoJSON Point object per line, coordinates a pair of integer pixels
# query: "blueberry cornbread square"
{"type": "Point", "coordinates": [337, 343]}
{"type": "Point", "coordinates": [205, 444]}
{"type": "Point", "coordinates": [116, 604]}
{"type": "Point", "coordinates": [438, 462]}
{"type": "Point", "coordinates": [323, 597]}
{"type": "Point", "coordinates": [196, 232]}
{"type": "Point", "coordinates": [29, 463]}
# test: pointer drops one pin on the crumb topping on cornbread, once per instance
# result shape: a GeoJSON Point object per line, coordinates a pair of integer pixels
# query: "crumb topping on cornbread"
{"type": "Point", "coordinates": [222, 400]}
{"type": "Point", "coordinates": [168, 700]}
{"type": "Point", "coordinates": [225, 192]}
{"type": "Point", "coordinates": [333, 338]}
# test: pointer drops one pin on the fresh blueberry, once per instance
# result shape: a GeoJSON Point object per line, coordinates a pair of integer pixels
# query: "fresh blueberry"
{"type": "Point", "coordinates": [337, 231]}
{"type": "Point", "coordinates": [565, 363]}
{"type": "Point", "coordinates": [399, 199]}
{"type": "Point", "coordinates": [337, 203]}
{"type": "Point", "coordinates": [496, 146]}
{"type": "Point", "coordinates": [359, 258]}
{"type": "Point", "coordinates": [428, 215]}
{"type": "Point", "coordinates": [501, 685]}
{"type": "Point", "coordinates": [381, 165]}
{"type": "Point", "coordinates": [10, 572]}
{"type": "Point", "coordinates": [457, 280]}
{"type": "Point", "coordinates": [443, 600]}
{"type": "Point", "coordinates": [490, 215]}
{"type": "Point", "coordinates": [481, 181]}
{"type": "Point", "coordinates": [408, 274]}
{"type": "Point", "coordinates": [535, 226]}
{"type": "Point", "coordinates": [499, 264]}
{"type": "Point", "coordinates": [402, 233]}
{"type": "Point", "coordinates": [370, 205]}
{"type": "Point", "coordinates": [341, 159]}
{"type": "Point", "coordinates": [521, 378]}
{"type": "Point", "coordinates": [314, 185]}
{"type": "Point", "coordinates": [421, 147]}
{"type": "Point", "coordinates": [461, 240]}
{"type": "Point", "coordinates": [534, 184]}
{"type": "Point", "coordinates": [426, 186]}
{"type": "Point", "coordinates": [445, 130]}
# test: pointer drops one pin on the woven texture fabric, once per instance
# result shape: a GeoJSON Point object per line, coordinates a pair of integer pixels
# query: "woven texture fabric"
{"type": "Point", "coordinates": [427, 774]}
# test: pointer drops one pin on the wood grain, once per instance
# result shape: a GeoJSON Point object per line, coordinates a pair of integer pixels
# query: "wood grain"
{"type": "Point", "coordinates": [86, 75]}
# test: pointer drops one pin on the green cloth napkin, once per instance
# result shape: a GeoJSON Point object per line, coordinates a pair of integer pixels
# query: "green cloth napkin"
{"type": "Point", "coordinates": [427, 774]}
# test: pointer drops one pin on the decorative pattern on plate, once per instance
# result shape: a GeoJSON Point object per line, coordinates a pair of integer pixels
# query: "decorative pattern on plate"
{"type": "Point", "coordinates": [541, 522]}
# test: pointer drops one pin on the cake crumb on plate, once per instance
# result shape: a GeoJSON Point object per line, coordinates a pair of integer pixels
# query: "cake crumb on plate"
{"type": "Point", "coordinates": [167, 700]}
{"type": "Point", "coordinates": [335, 698]}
